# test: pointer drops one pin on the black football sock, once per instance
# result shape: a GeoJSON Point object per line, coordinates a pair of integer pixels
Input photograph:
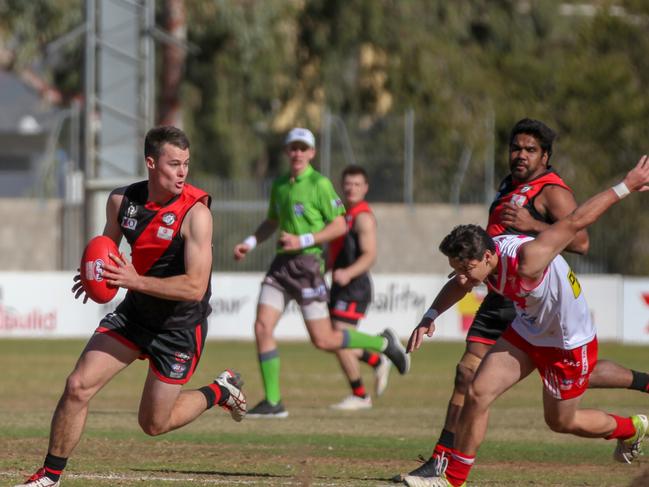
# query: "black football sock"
{"type": "Point", "coordinates": [358, 389]}
{"type": "Point", "coordinates": [371, 358]}
{"type": "Point", "coordinates": [54, 466]}
{"type": "Point", "coordinates": [640, 381]}
{"type": "Point", "coordinates": [446, 439]}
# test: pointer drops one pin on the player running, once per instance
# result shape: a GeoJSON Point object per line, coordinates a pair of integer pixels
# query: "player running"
{"type": "Point", "coordinates": [552, 332]}
{"type": "Point", "coordinates": [163, 317]}
{"type": "Point", "coordinates": [350, 258]}
{"type": "Point", "coordinates": [309, 213]}
{"type": "Point", "coordinates": [529, 200]}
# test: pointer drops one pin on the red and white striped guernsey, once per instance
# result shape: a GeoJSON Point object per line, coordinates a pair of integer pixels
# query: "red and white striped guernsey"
{"type": "Point", "coordinates": [554, 313]}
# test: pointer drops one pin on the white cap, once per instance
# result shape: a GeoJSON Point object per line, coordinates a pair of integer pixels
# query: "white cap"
{"type": "Point", "coordinates": [300, 135]}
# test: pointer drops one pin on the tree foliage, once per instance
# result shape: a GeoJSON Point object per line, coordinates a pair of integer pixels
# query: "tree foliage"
{"type": "Point", "coordinates": [262, 67]}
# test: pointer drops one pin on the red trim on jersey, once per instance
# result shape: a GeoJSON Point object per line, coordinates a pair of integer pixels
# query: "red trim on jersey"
{"type": "Point", "coordinates": [521, 194]}
{"type": "Point", "coordinates": [336, 245]}
{"type": "Point", "coordinates": [155, 239]}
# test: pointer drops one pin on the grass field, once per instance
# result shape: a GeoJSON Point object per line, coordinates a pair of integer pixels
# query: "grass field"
{"type": "Point", "coordinates": [315, 446]}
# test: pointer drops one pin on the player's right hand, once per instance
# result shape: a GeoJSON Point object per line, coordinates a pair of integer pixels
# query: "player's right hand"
{"type": "Point", "coordinates": [240, 251]}
{"type": "Point", "coordinates": [637, 179]}
{"type": "Point", "coordinates": [426, 327]}
{"type": "Point", "coordinates": [78, 288]}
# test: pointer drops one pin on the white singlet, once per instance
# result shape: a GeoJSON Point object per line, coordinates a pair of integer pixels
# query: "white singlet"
{"type": "Point", "coordinates": [555, 312]}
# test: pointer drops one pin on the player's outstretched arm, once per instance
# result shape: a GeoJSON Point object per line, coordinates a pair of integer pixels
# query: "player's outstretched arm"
{"type": "Point", "coordinates": [264, 230]}
{"type": "Point", "coordinates": [537, 254]}
{"type": "Point", "coordinates": [454, 290]}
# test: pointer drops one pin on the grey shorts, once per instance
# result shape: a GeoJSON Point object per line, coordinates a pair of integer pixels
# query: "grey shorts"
{"type": "Point", "coordinates": [299, 276]}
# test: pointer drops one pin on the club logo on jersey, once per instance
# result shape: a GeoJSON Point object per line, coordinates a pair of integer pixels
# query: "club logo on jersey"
{"type": "Point", "coordinates": [336, 203]}
{"type": "Point", "coordinates": [525, 189]}
{"type": "Point", "coordinates": [131, 211]}
{"type": "Point", "coordinates": [165, 233]}
{"type": "Point", "coordinates": [574, 284]}
{"type": "Point", "coordinates": [129, 223]}
{"type": "Point", "coordinates": [519, 200]}
{"type": "Point", "coordinates": [169, 218]}
{"type": "Point", "coordinates": [341, 305]}
{"type": "Point", "coordinates": [298, 209]}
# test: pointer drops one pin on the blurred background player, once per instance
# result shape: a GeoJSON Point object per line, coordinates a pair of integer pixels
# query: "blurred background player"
{"type": "Point", "coordinates": [529, 200]}
{"type": "Point", "coordinates": [163, 317]}
{"type": "Point", "coordinates": [309, 213]}
{"type": "Point", "coordinates": [350, 258]}
{"type": "Point", "coordinates": [552, 332]}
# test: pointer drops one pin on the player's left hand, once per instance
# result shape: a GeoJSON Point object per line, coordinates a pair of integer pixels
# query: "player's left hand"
{"type": "Point", "coordinates": [122, 274]}
{"type": "Point", "coordinates": [341, 277]}
{"type": "Point", "coordinates": [514, 216]}
{"type": "Point", "coordinates": [78, 289]}
{"type": "Point", "coordinates": [289, 241]}
{"type": "Point", "coordinates": [426, 327]}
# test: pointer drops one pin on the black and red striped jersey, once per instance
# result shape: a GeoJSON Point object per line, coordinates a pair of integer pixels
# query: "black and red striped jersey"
{"type": "Point", "coordinates": [344, 251]}
{"type": "Point", "coordinates": [158, 250]}
{"type": "Point", "coordinates": [523, 195]}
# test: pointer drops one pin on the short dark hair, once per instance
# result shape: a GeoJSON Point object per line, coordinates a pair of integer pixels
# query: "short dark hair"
{"type": "Point", "coordinates": [355, 170]}
{"type": "Point", "coordinates": [467, 242]}
{"type": "Point", "coordinates": [159, 136]}
{"type": "Point", "coordinates": [537, 129]}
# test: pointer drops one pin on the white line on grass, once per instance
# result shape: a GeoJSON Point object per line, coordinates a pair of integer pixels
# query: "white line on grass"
{"type": "Point", "coordinates": [228, 481]}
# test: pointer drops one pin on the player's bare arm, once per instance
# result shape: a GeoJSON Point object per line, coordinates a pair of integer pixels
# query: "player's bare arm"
{"type": "Point", "coordinates": [190, 286]}
{"type": "Point", "coordinates": [264, 230]}
{"type": "Point", "coordinates": [555, 202]}
{"type": "Point", "coordinates": [536, 254]}
{"type": "Point", "coordinates": [332, 230]}
{"type": "Point", "coordinates": [365, 227]}
{"type": "Point", "coordinates": [452, 292]}
{"type": "Point", "coordinates": [558, 203]}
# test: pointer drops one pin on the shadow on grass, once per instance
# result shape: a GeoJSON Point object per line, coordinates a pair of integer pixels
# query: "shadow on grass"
{"type": "Point", "coordinates": [255, 474]}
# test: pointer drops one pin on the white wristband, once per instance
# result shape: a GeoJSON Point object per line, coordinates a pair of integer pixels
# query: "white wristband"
{"type": "Point", "coordinates": [250, 241]}
{"type": "Point", "coordinates": [621, 190]}
{"type": "Point", "coordinates": [431, 314]}
{"type": "Point", "coordinates": [306, 240]}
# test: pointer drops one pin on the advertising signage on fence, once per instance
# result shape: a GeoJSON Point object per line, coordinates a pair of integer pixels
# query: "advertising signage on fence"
{"type": "Point", "coordinates": [636, 311]}
{"type": "Point", "coordinates": [40, 305]}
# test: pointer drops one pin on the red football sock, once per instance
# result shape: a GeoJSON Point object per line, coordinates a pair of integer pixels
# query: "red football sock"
{"type": "Point", "coordinates": [459, 466]}
{"type": "Point", "coordinates": [623, 430]}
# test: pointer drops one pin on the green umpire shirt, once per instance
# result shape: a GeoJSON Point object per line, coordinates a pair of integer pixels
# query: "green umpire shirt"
{"type": "Point", "coordinates": [305, 204]}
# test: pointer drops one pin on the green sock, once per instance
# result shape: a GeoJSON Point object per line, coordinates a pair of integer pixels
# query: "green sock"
{"type": "Point", "coordinates": [356, 339]}
{"type": "Point", "coordinates": [269, 364]}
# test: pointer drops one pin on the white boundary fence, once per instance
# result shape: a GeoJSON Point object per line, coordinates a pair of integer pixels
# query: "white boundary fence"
{"type": "Point", "coordinates": [40, 305]}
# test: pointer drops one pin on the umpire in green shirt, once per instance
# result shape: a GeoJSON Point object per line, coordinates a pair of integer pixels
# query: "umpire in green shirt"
{"type": "Point", "coordinates": [308, 212]}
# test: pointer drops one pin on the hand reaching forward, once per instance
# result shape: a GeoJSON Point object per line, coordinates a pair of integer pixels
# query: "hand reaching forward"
{"type": "Point", "coordinates": [425, 327]}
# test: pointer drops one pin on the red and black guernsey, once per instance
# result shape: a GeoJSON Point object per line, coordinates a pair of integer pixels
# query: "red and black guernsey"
{"type": "Point", "coordinates": [158, 250]}
{"type": "Point", "coordinates": [343, 252]}
{"type": "Point", "coordinates": [523, 195]}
